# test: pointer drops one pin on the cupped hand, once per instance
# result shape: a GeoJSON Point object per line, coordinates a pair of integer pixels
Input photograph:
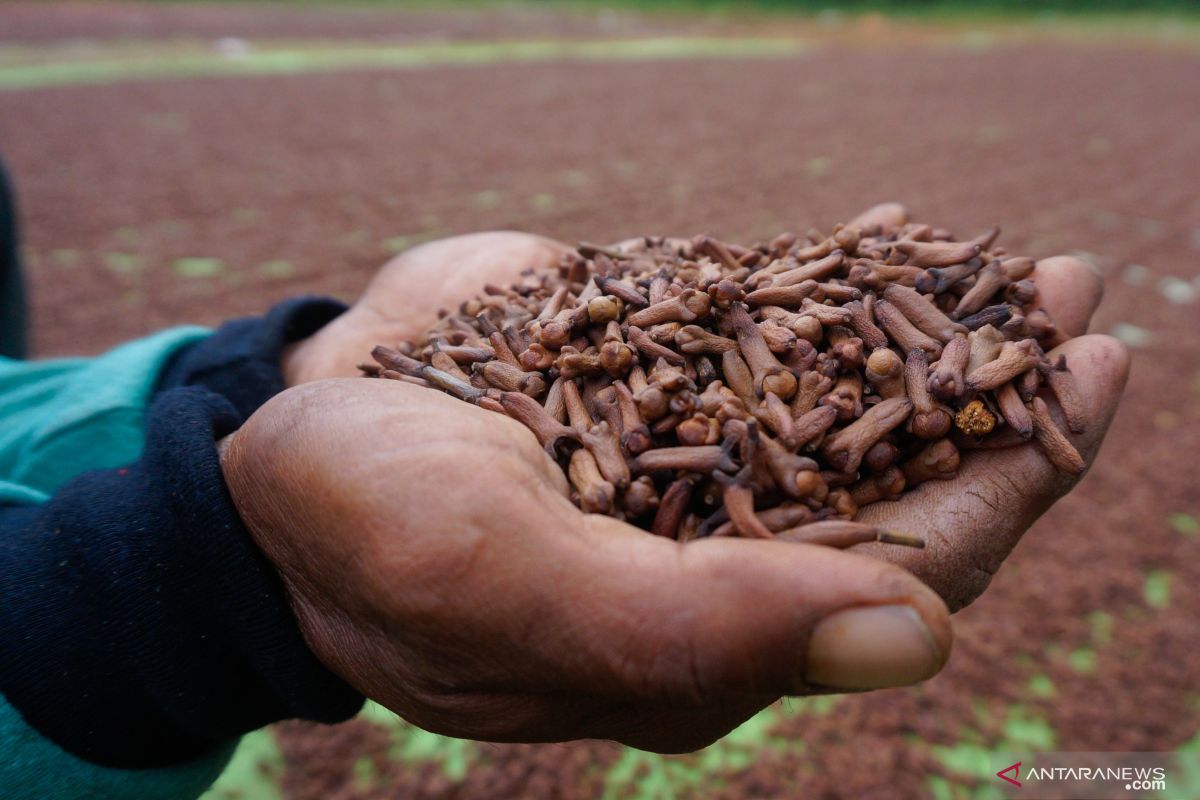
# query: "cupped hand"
{"type": "Point", "coordinates": [443, 572]}
{"type": "Point", "coordinates": [434, 561]}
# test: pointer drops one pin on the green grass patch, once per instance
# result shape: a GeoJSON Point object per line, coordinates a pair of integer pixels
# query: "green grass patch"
{"type": "Point", "coordinates": [488, 198]}
{"type": "Point", "coordinates": [542, 203]}
{"type": "Point", "coordinates": [1187, 524]}
{"type": "Point", "coordinates": [254, 773]}
{"type": "Point", "coordinates": [920, 8]}
{"type": "Point", "coordinates": [198, 267]}
{"type": "Point", "coordinates": [277, 269]}
{"type": "Point", "coordinates": [65, 258]}
{"type": "Point", "coordinates": [970, 8]}
{"type": "Point", "coordinates": [1101, 623]}
{"type": "Point", "coordinates": [1023, 730]}
{"type": "Point", "coordinates": [365, 773]}
{"type": "Point", "coordinates": [1082, 660]}
{"type": "Point", "coordinates": [647, 776]}
{"type": "Point", "coordinates": [1042, 686]}
{"type": "Point", "coordinates": [413, 745]}
{"type": "Point", "coordinates": [1157, 589]}
{"type": "Point", "coordinates": [122, 263]}
{"type": "Point", "coordinates": [164, 63]}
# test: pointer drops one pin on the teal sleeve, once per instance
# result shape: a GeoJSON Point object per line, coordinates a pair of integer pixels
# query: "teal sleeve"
{"type": "Point", "coordinates": [33, 768]}
{"type": "Point", "coordinates": [62, 417]}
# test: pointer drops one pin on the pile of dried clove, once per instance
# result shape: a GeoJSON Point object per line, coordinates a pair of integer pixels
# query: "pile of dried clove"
{"type": "Point", "coordinates": [706, 389]}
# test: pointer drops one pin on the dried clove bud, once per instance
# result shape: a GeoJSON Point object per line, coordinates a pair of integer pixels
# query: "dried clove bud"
{"type": "Point", "coordinates": [924, 315]}
{"type": "Point", "coordinates": [836, 533]}
{"type": "Point", "coordinates": [1016, 415]}
{"type": "Point", "coordinates": [649, 349]}
{"type": "Point", "coordinates": [703, 459]}
{"type": "Point", "coordinates": [846, 448]}
{"type": "Point", "coordinates": [1062, 384]}
{"type": "Point", "coordinates": [937, 461]}
{"type": "Point", "coordinates": [596, 495]}
{"type": "Point", "coordinates": [946, 380]}
{"type": "Point", "coordinates": [862, 323]}
{"type": "Point", "coordinates": [1054, 442]}
{"type": "Point", "coordinates": [689, 306]}
{"type": "Point", "coordinates": [885, 371]}
{"type": "Point", "coordinates": [508, 378]}
{"type": "Point", "coordinates": [672, 507]}
{"type": "Point", "coordinates": [769, 374]}
{"type": "Point", "coordinates": [605, 446]}
{"type": "Point", "coordinates": [903, 332]}
{"type": "Point", "coordinates": [930, 419]}
{"type": "Point", "coordinates": [694, 339]}
{"type": "Point", "coordinates": [641, 497]}
{"type": "Point", "coordinates": [937, 254]}
{"type": "Point", "coordinates": [738, 498]}
{"type": "Point", "coordinates": [1014, 358]}
{"type": "Point", "coordinates": [530, 413]}
{"type": "Point", "coordinates": [887, 485]}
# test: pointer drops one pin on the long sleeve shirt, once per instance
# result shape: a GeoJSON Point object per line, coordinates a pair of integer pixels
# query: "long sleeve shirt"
{"type": "Point", "coordinates": [141, 631]}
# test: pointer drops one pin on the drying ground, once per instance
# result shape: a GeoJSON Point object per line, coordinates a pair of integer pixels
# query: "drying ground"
{"type": "Point", "coordinates": [150, 202]}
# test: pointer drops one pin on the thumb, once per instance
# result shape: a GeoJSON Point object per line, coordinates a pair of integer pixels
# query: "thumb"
{"type": "Point", "coordinates": [727, 617]}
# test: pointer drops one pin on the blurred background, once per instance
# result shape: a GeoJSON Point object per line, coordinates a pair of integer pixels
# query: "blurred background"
{"type": "Point", "coordinates": [186, 162]}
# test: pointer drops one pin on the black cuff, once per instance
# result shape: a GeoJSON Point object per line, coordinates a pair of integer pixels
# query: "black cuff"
{"type": "Point", "coordinates": [139, 624]}
{"type": "Point", "coordinates": [240, 361]}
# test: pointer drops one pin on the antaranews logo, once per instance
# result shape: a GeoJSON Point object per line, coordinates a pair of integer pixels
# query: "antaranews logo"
{"type": "Point", "coordinates": [1083, 776]}
{"type": "Point", "coordinates": [1015, 769]}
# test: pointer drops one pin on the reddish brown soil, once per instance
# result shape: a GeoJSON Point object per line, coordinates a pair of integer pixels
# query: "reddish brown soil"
{"type": "Point", "coordinates": [1093, 149]}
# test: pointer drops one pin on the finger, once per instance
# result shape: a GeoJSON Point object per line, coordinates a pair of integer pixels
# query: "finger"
{"type": "Point", "coordinates": [974, 520]}
{"type": "Point", "coordinates": [415, 284]}
{"type": "Point", "coordinates": [887, 216]}
{"type": "Point", "coordinates": [645, 619]}
{"type": "Point", "coordinates": [1070, 290]}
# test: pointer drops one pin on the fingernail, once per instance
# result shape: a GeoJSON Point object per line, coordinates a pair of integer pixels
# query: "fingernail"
{"type": "Point", "coordinates": [872, 647]}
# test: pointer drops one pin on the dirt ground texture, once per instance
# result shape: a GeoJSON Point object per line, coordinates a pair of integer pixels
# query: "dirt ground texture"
{"type": "Point", "coordinates": [148, 204]}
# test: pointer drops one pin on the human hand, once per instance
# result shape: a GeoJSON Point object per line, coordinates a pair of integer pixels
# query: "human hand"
{"type": "Point", "coordinates": [434, 561]}
{"type": "Point", "coordinates": [971, 523]}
